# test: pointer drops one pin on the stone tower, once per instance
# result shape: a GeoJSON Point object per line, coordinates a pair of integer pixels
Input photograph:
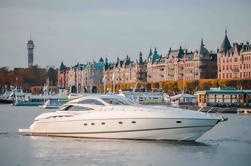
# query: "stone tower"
{"type": "Point", "coordinates": [30, 47]}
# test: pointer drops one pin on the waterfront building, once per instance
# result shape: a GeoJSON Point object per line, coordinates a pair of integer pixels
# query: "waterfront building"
{"type": "Point", "coordinates": [93, 75]}
{"type": "Point", "coordinates": [180, 64]}
{"type": "Point", "coordinates": [202, 64]}
{"type": "Point", "coordinates": [125, 71]}
{"type": "Point", "coordinates": [224, 97]}
{"type": "Point", "coordinates": [72, 79]}
{"type": "Point", "coordinates": [30, 47]}
{"type": "Point", "coordinates": [155, 67]}
{"type": "Point", "coordinates": [81, 77]}
{"type": "Point", "coordinates": [62, 76]}
{"type": "Point", "coordinates": [174, 64]}
{"type": "Point", "coordinates": [234, 61]}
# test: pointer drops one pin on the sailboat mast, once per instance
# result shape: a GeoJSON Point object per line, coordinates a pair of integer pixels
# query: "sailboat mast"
{"type": "Point", "coordinates": [184, 81]}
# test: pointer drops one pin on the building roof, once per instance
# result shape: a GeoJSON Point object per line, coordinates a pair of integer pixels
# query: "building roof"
{"type": "Point", "coordinates": [176, 53]}
{"type": "Point", "coordinates": [226, 91]}
{"type": "Point", "coordinates": [127, 61]}
{"type": "Point", "coordinates": [156, 57]}
{"type": "Point", "coordinates": [150, 56]}
{"type": "Point", "coordinates": [141, 58]}
{"type": "Point", "coordinates": [183, 95]}
{"type": "Point", "coordinates": [225, 45]}
{"type": "Point", "coordinates": [245, 47]}
{"type": "Point", "coordinates": [62, 66]}
{"type": "Point", "coordinates": [99, 65]}
{"type": "Point", "coordinates": [119, 62]}
{"type": "Point", "coordinates": [202, 52]}
{"type": "Point", "coordinates": [101, 60]}
{"type": "Point", "coordinates": [108, 65]}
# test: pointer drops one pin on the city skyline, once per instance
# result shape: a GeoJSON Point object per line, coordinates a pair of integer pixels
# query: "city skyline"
{"type": "Point", "coordinates": [80, 31]}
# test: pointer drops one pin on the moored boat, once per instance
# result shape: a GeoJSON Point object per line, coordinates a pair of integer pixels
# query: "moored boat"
{"type": "Point", "coordinates": [54, 103]}
{"type": "Point", "coordinates": [38, 100]}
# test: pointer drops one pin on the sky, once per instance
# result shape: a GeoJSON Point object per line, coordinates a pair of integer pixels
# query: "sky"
{"type": "Point", "coordinates": [78, 31]}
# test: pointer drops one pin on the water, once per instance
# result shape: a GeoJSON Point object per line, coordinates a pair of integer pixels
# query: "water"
{"type": "Point", "coordinates": [229, 143]}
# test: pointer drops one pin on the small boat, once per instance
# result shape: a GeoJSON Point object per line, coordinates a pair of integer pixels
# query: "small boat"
{"type": "Point", "coordinates": [38, 100]}
{"type": "Point", "coordinates": [182, 99]}
{"type": "Point", "coordinates": [5, 101]}
{"type": "Point", "coordinates": [28, 99]}
{"type": "Point", "coordinates": [116, 117]}
{"type": "Point", "coordinates": [5, 98]}
{"type": "Point", "coordinates": [244, 111]}
{"type": "Point", "coordinates": [53, 104]}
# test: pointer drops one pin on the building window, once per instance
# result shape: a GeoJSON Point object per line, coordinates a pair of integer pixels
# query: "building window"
{"type": "Point", "coordinates": [133, 121]}
{"type": "Point", "coordinates": [92, 123]}
{"type": "Point", "coordinates": [85, 124]}
{"type": "Point", "coordinates": [120, 122]}
{"type": "Point", "coordinates": [103, 123]}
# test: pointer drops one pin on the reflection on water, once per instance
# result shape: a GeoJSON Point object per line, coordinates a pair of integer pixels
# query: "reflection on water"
{"type": "Point", "coordinates": [229, 143]}
{"type": "Point", "coordinates": [113, 152]}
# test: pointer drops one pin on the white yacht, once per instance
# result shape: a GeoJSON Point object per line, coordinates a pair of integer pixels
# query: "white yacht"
{"type": "Point", "coordinates": [116, 117]}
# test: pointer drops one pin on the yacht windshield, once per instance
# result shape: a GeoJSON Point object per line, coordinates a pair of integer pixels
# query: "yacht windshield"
{"type": "Point", "coordinates": [76, 108]}
{"type": "Point", "coordinates": [90, 101]}
{"type": "Point", "coordinates": [116, 101]}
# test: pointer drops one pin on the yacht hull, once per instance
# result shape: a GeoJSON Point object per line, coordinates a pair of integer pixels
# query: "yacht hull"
{"type": "Point", "coordinates": [141, 128]}
{"type": "Point", "coordinates": [6, 101]}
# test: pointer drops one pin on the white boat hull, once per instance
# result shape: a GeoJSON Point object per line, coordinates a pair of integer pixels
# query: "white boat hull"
{"type": "Point", "coordinates": [142, 128]}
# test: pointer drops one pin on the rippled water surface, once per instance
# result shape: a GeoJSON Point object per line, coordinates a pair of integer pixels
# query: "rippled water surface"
{"type": "Point", "coordinates": [229, 143]}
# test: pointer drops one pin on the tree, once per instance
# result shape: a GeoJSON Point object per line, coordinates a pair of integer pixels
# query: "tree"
{"type": "Point", "coordinates": [155, 85]}
{"type": "Point", "coordinates": [170, 87]}
{"type": "Point", "coordinates": [204, 84]}
{"type": "Point", "coordinates": [190, 86]}
{"type": "Point", "coordinates": [180, 85]}
{"type": "Point", "coordinates": [148, 86]}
